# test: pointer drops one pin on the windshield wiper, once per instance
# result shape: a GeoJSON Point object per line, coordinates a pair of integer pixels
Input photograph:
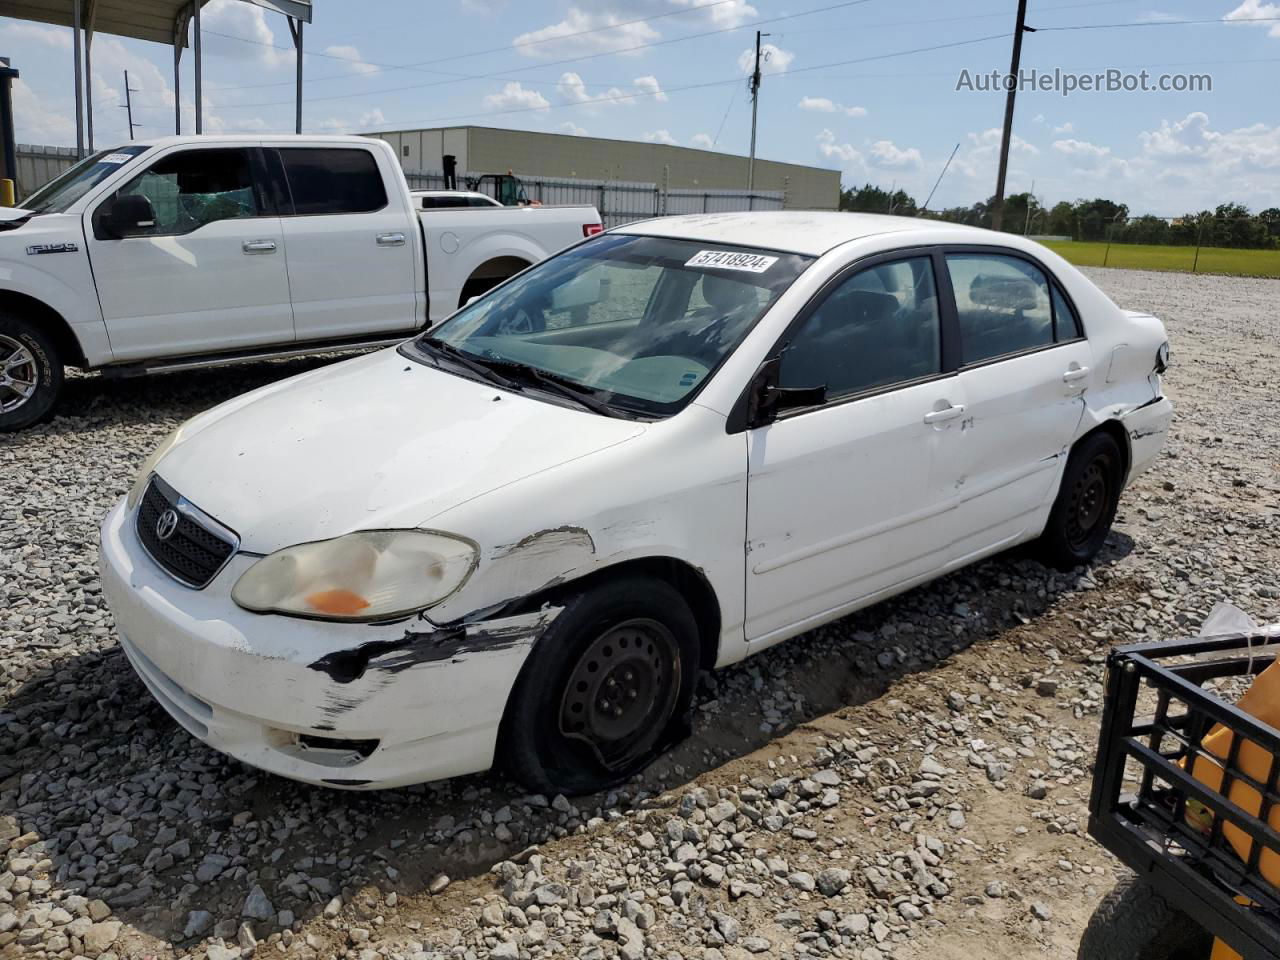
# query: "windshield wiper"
{"type": "Point", "coordinates": [560, 385]}
{"type": "Point", "coordinates": [473, 363]}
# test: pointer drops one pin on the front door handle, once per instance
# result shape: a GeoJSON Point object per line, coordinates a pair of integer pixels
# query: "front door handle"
{"type": "Point", "coordinates": [390, 239]}
{"type": "Point", "coordinates": [941, 416]}
{"type": "Point", "coordinates": [1074, 374]}
{"type": "Point", "coordinates": [258, 246]}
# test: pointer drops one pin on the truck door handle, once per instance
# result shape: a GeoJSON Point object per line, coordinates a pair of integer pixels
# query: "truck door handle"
{"type": "Point", "coordinates": [1074, 374]}
{"type": "Point", "coordinates": [941, 416]}
{"type": "Point", "coordinates": [390, 239]}
{"type": "Point", "coordinates": [258, 246]}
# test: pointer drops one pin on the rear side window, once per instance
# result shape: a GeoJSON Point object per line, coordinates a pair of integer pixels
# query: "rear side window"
{"type": "Point", "coordinates": [324, 180]}
{"type": "Point", "coordinates": [1002, 304]}
{"type": "Point", "coordinates": [1066, 325]}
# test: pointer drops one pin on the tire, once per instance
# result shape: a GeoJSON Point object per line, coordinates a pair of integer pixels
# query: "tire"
{"type": "Point", "coordinates": [1086, 504]}
{"type": "Point", "coordinates": [1133, 922]}
{"type": "Point", "coordinates": [631, 638]}
{"type": "Point", "coordinates": [30, 373]}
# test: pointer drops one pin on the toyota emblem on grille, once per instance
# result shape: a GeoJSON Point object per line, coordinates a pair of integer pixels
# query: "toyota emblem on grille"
{"type": "Point", "coordinates": [167, 523]}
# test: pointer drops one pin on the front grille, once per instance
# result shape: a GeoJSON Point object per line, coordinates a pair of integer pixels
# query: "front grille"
{"type": "Point", "coordinates": [197, 548]}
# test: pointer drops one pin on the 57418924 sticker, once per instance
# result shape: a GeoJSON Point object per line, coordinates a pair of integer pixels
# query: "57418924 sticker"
{"type": "Point", "coordinates": [116, 158]}
{"type": "Point", "coordinates": [728, 260]}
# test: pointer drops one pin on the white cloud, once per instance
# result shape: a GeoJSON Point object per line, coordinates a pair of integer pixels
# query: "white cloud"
{"type": "Point", "coordinates": [35, 122]}
{"type": "Point", "coordinates": [1038, 118]}
{"type": "Point", "coordinates": [21, 31]}
{"type": "Point", "coordinates": [372, 118]}
{"type": "Point", "coordinates": [572, 128]}
{"type": "Point", "coordinates": [887, 154]}
{"type": "Point", "coordinates": [1259, 14]}
{"type": "Point", "coordinates": [514, 96]}
{"type": "Point", "coordinates": [1085, 155]}
{"type": "Point", "coordinates": [773, 59]}
{"type": "Point", "coordinates": [649, 85]}
{"type": "Point", "coordinates": [845, 154]}
{"type": "Point", "coordinates": [1188, 137]}
{"type": "Point", "coordinates": [487, 7]}
{"type": "Point", "coordinates": [827, 105]}
{"type": "Point", "coordinates": [731, 14]}
{"type": "Point", "coordinates": [660, 136]}
{"type": "Point", "coordinates": [572, 89]}
{"type": "Point", "coordinates": [1067, 127]}
{"type": "Point", "coordinates": [351, 58]}
{"type": "Point", "coordinates": [702, 141]}
{"type": "Point", "coordinates": [556, 42]}
{"type": "Point", "coordinates": [250, 22]}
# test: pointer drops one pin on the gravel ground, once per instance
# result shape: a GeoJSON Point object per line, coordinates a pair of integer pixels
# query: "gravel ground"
{"type": "Point", "coordinates": [908, 782]}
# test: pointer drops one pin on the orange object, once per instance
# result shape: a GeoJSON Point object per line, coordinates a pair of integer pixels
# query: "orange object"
{"type": "Point", "coordinates": [340, 602]}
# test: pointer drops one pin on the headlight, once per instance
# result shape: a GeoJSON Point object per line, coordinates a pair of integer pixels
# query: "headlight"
{"type": "Point", "coordinates": [362, 576]}
{"type": "Point", "coordinates": [148, 465]}
{"type": "Point", "coordinates": [1162, 357]}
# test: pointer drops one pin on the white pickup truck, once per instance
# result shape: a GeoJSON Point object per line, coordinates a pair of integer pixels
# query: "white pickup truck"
{"type": "Point", "coordinates": [200, 251]}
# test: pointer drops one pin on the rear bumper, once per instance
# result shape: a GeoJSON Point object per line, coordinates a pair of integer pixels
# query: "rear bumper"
{"type": "Point", "coordinates": [1147, 427]}
{"type": "Point", "coordinates": [343, 705]}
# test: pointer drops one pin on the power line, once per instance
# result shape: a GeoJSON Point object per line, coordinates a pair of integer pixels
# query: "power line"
{"type": "Point", "coordinates": [1153, 23]}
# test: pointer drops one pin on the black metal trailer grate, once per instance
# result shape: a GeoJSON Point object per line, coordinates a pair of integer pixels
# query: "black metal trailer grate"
{"type": "Point", "coordinates": [1176, 831]}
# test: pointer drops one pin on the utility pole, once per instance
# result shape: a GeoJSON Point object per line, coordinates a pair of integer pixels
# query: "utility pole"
{"type": "Point", "coordinates": [755, 103]}
{"type": "Point", "coordinates": [946, 166]}
{"type": "Point", "coordinates": [997, 206]}
{"type": "Point", "coordinates": [128, 102]}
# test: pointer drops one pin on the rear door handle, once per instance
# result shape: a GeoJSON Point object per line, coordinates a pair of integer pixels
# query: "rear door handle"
{"type": "Point", "coordinates": [1074, 374]}
{"type": "Point", "coordinates": [390, 239]}
{"type": "Point", "coordinates": [258, 246]}
{"type": "Point", "coordinates": [941, 416]}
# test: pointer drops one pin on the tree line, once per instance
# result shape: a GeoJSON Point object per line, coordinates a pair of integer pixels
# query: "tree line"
{"type": "Point", "coordinates": [1230, 225]}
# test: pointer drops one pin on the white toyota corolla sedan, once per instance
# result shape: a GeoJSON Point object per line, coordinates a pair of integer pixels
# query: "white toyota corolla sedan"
{"type": "Point", "coordinates": [519, 537]}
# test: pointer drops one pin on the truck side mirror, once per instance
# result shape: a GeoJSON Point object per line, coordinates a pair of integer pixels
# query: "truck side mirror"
{"type": "Point", "coordinates": [129, 215]}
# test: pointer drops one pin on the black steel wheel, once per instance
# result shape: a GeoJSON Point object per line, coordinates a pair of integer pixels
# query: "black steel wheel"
{"type": "Point", "coordinates": [1086, 504]}
{"type": "Point", "coordinates": [605, 690]}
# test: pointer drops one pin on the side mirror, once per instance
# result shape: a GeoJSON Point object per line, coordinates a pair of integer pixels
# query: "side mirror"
{"type": "Point", "coordinates": [130, 214]}
{"type": "Point", "coordinates": [766, 399]}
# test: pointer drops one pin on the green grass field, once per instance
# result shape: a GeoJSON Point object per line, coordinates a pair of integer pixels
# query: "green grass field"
{"type": "Point", "coordinates": [1248, 263]}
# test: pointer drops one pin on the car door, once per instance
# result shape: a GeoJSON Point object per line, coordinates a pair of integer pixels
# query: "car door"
{"type": "Point", "coordinates": [350, 252]}
{"type": "Point", "coordinates": [841, 495]}
{"type": "Point", "coordinates": [1024, 368]}
{"type": "Point", "coordinates": [206, 273]}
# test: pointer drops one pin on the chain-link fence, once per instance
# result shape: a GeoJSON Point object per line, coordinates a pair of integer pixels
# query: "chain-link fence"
{"type": "Point", "coordinates": [618, 201]}
{"type": "Point", "coordinates": [1242, 245]}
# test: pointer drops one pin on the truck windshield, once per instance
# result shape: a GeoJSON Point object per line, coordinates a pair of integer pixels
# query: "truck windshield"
{"type": "Point", "coordinates": [635, 322]}
{"type": "Point", "coordinates": [61, 192]}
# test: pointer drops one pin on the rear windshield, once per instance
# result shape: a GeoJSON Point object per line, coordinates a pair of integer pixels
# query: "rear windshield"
{"type": "Point", "coordinates": [639, 322]}
{"type": "Point", "coordinates": [60, 193]}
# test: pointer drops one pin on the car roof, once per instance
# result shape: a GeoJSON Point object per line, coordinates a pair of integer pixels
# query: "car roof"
{"type": "Point", "coordinates": [809, 232]}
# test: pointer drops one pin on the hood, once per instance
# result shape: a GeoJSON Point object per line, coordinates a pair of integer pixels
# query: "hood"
{"type": "Point", "coordinates": [378, 442]}
{"type": "Point", "coordinates": [9, 214]}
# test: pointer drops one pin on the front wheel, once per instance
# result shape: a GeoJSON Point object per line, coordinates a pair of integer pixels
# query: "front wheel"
{"type": "Point", "coordinates": [1086, 504]}
{"type": "Point", "coordinates": [606, 689]}
{"type": "Point", "coordinates": [1134, 922]}
{"type": "Point", "coordinates": [30, 373]}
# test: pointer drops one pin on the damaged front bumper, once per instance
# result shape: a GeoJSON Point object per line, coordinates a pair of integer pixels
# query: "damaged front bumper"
{"type": "Point", "coordinates": [343, 705]}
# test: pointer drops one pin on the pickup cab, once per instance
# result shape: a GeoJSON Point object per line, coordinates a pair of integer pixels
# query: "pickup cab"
{"type": "Point", "coordinates": [200, 251]}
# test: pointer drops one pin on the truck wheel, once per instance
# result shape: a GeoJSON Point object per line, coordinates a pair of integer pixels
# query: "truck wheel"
{"type": "Point", "coordinates": [605, 690]}
{"type": "Point", "coordinates": [1134, 922]}
{"type": "Point", "coordinates": [30, 373]}
{"type": "Point", "coordinates": [1086, 504]}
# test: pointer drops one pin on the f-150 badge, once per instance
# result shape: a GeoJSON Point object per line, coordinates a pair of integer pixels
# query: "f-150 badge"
{"type": "Point", "coordinates": [38, 248]}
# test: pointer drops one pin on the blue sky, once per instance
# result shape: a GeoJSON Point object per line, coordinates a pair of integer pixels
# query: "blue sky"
{"type": "Point", "coordinates": [588, 66]}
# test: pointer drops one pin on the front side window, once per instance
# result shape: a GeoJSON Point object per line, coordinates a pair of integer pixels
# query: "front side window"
{"type": "Point", "coordinates": [877, 328]}
{"type": "Point", "coordinates": [637, 322]}
{"type": "Point", "coordinates": [58, 194]}
{"type": "Point", "coordinates": [192, 189]}
{"type": "Point", "coordinates": [1002, 304]}
{"type": "Point", "coordinates": [333, 180]}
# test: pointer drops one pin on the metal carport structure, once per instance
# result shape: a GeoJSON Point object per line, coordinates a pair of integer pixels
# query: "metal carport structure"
{"type": "Point", "coordinates": [160, 21]}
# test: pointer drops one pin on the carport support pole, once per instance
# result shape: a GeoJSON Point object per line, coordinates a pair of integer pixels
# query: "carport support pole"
{"type": "Point", "coordinates": [997, 204]}
{"type": "Point", "coordinates": [177, 86]}
{"type": "Point", "coordinates": [79, 72]}
{"type": "Point", "coordinates": [199, 93]}
{"type": "Point", "coordinates": [88, 86]}
{"type": "Point", "coordinates": [295, 28]}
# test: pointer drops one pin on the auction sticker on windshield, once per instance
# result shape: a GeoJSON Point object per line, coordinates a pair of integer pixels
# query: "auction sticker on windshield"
{"type": "Point", "coordinates": [116, 158]}
{"type": "Point", "coordinates": [728, 260]}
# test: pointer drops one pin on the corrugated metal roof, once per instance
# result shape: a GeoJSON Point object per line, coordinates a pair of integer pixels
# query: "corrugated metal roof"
{"type": "Point", "coordinates": [157, 20]}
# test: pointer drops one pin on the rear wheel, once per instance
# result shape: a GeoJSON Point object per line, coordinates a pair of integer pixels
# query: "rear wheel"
{"type": "Point", "coordinates": [1133, 922]}
{"type": "Point", "coordinates": [1086, 504]}
{"type": "Point", "coordinates": [30, 373]}
{"type": "Point", "coordinates": [606, 689]}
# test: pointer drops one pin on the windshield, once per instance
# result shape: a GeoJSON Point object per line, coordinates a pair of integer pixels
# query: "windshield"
{"type": "Point", "coordinates": [636, 322]}
{"type": "Point", "coordinates": [61, 192]}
